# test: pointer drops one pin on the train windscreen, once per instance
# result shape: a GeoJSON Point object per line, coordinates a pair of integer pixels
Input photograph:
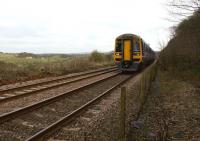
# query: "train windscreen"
{"type": "Point", "coordinates": [118, 47]}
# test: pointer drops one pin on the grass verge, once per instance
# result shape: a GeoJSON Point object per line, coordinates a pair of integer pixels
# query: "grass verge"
{"type": "Point", "coordinates": [171, 111]}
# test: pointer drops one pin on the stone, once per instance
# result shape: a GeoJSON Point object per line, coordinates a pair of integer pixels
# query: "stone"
{"type": "Point", "coordinates": [151, 137]}
{"type": "Point", "coordinates": [137, 124]}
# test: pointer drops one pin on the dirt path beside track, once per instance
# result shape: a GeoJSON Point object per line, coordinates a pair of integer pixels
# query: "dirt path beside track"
{"type": "Point", "coordinates": [172, 112]}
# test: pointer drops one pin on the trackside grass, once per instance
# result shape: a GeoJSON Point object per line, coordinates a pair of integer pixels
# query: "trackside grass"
{"type": "Point", "coordinates": [26, 66]}
{"type": "Point", "coordinates": [171, 111]}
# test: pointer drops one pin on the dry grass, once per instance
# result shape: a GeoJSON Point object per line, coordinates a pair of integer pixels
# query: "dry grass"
{"type": "Point", "coordinates": [20, 67]}
{"type": "Point", "coordinates": [171, 111]}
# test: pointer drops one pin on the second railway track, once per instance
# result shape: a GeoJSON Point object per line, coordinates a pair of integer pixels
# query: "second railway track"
{"type": "Point", "coordinates": [25, 90]}
{"type": "Point", "coordinates": [26, 84]}
{"type": "Point", "coordinates": [36, 118]}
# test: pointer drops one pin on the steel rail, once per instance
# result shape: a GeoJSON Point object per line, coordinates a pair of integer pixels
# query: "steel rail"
{"type": "Point", "coordinates": [2, 91]}
{"type": "Point", "coordinates": [29, 108]}
{"type": "Point", "coordinates": [60, 123]}
{"type": "Point", "coordinates": [51, 87]}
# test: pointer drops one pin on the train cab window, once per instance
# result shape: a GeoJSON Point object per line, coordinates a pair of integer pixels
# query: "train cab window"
{"type": "Point", "coordinates": [136, 47]}
{"type": "Point", "coordinates": [118, 47]}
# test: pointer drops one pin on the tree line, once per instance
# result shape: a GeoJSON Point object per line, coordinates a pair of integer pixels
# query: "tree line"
{"type": "Point", "coordinates": [183, 50]}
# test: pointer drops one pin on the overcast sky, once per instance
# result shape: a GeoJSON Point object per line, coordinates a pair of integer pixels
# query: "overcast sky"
{"type": "Point", "coordinates": [78, 26]}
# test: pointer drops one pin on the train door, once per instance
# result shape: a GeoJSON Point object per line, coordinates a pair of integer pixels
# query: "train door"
{"type": "Point", "coordinates": [127, 52]}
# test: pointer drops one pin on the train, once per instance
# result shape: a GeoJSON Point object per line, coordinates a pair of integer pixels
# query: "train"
{"type": "Point", "coordinates": [131, 53]}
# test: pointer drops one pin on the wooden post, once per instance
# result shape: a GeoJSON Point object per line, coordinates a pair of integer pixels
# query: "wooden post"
{"type": "Point", "coordinates": [141, 92]}
{"type": "Point", "coordinates": [144, 84]}
{"type": "Point", "coordinates": [122, 114]}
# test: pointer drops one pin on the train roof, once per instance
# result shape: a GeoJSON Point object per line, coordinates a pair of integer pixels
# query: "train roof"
{"type": "Point", "coordinates": [128, 35]}
{"type": "Point", "coordinates": [132, 36]}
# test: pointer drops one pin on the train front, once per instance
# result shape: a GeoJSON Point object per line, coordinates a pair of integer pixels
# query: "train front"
{"type": "Point", "coordinates": [127, 54]}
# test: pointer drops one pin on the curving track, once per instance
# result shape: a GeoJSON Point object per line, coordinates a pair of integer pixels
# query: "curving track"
{"type": "Point", "coordinates": [36, 121]}
{"type": "Point", "coordinates": [43, 134]}
{"type": "Point", "coordinates": [29, 89]}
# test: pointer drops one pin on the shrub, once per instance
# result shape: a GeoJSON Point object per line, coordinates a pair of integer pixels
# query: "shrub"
{"type": "Point", "coordinates": [182, 53]}
{"type": "Point", "coordinates": [96, 56]}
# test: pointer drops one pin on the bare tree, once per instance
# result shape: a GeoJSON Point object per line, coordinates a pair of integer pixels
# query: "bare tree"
{"type": "Point", "coordinates": [180, 9]}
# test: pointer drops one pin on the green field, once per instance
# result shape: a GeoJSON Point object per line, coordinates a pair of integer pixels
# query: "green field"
{"type": "Point", "coordinates": [26, 66]}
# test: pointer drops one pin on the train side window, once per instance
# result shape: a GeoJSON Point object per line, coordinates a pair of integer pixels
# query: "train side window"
{"type": "Point", "coordinates": [145, 48]}
{"type": "Point", "coordinates": [142, 48]}
{"type": "Point", "coordinates": [118, 47]}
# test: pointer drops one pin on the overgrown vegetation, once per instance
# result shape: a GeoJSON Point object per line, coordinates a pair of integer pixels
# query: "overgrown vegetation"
{"type": "Point", "coordinates": [101, 57]}
{"type": "Point", "coordinates": [170, 112]}
{"type": "Point", "coordinates": [172, 104]}
{"type": "Point", "coordinates": [25, 66]}
{"type": "Point", "coordinates": [182, 54]}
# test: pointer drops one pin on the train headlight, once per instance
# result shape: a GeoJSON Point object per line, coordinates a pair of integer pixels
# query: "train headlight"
{"type": "Point", "coordinates": [137, 54]}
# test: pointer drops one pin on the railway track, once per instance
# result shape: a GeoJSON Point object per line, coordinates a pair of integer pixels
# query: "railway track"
{"type": "Point", "coordinates": [29, 89]}
{"type": "Point", "coordinates": [11, 87]}
{"type": "Point", "coordinates": [38, 120]}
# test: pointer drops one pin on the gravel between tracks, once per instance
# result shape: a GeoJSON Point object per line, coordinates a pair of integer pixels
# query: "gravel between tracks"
{"type": "Point", "coordinates": [101, 121]}
{"type": "Point", "coordinates": [29, 124]}
{"type": "Point", "coordinates": [18, 103]}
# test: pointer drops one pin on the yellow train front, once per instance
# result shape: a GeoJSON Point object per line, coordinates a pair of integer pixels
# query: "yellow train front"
{"type": "Point", "coordinates": [131, 52]}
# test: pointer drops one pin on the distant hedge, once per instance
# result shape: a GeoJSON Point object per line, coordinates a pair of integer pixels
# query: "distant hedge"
{"type": "Point", "coordinates": [96, 56]}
